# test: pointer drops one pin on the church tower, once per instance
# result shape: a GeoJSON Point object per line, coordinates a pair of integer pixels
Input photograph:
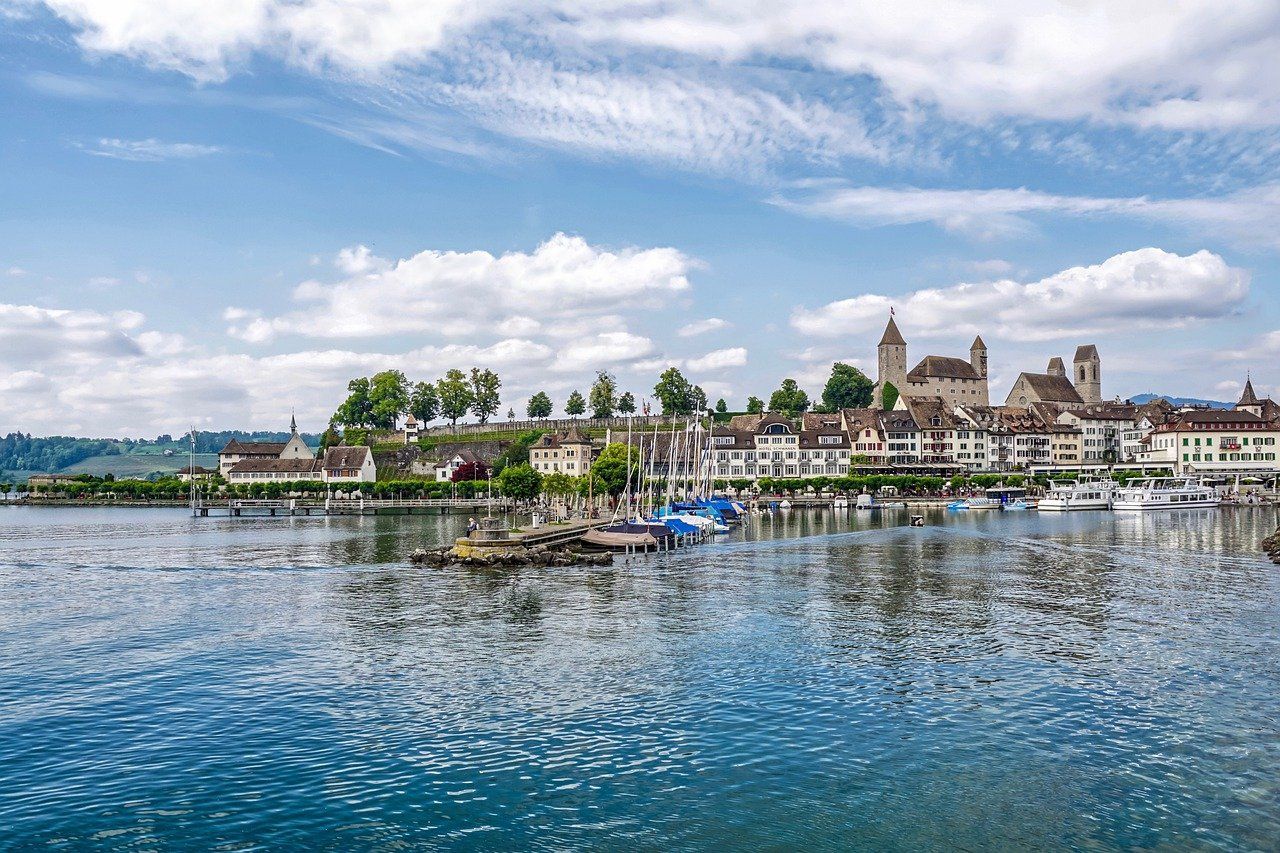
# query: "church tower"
{"type": "Point", "coordinates": [1087, 377]}
{"type": "Point", "coordinates": [891, 361]}
{"type": "Point", "coordinates": [978, 356]}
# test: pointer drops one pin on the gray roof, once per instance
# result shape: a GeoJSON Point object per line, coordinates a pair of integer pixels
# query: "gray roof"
{"type": "Point", "coordinates": [978, 343]}
{"type": "Point", "coordinates": [1248, 398]}
{"type": "Point", "coordinates": [286, 466]}
{"type": "Point", "coordinates": [892, 335]}
{"type": "Point", "coordinates": [345, 457]}
{"type": "Point", "coordinates": [942, 367]}
{"type": "Point", "coordinates": [1053, 389]}
{"type": "Point", "coordinates": [254, 447]}
{"type": "Point", "coordinates": [1086, 352]}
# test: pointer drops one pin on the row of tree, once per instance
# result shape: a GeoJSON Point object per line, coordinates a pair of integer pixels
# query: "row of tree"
{"type": "Point", "coordinates": [379, 401]}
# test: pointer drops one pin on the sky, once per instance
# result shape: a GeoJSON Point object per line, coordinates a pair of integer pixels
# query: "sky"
{"type": "Point", "coordinates": [213, 214]}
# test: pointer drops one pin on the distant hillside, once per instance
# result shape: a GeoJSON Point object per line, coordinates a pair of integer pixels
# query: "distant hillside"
{"type": "Point", "coordinates": [1182, 401]}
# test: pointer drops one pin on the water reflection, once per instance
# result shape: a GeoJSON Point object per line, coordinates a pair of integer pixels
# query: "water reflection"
{"type": "Point", "coordinates": [817, 681]}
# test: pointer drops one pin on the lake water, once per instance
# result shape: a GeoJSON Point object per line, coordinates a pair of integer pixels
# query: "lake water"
{"type": "Point", "coordinates": [1005, 681]}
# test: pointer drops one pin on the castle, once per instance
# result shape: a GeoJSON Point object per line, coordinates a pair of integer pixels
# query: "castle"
{"type": "Point", "coordinates": [954, 380]}
{"type": "Point", "coordinates": [964, 383]}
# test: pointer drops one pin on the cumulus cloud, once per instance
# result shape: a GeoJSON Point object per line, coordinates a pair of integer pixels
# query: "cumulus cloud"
{"type": "Point", "coordinates": [148, 150]}
{"type": "Point", "coordinates": [1247, 216]}
{"type": "Point", "coordinates": [457, 294]}
{"type": "Point", "coordinates": [1142, 289]}
{"type": "Point", "coordinates": [701, 327]}
{"type": "Point", "coordinates": [720, 359]}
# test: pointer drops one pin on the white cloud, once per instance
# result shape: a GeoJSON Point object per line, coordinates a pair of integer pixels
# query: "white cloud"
{"type": "Point", "coordinates": [1187, 65]}
{"type": "Point", "coordinates": [608, 350]}
{"type": "Point", "coordinates": [1143, 289]}
{"type": "Point", "coordinates": [701, 327]}
{"type": "Point", "coordinates": [148, 150]}
{"type": "Point", "coordinates": [16, 272]}
{"type": "Point", "coordinates": [720, 359]}
{"type": "Point", "coordinates": [1247, 216]}
{"type": "Point", "coordinates": [565, 280]}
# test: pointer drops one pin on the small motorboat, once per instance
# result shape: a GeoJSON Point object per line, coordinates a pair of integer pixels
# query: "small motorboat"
{"type": "Point", "coordinates": [1016, 506]}
{"type": "Point", "coordinates": [917, 521]}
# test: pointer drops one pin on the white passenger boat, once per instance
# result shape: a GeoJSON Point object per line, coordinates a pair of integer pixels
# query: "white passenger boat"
{"type": "Point", "coordinates": [981, 503]}
{"type": "Point", "coordinates": [1063, 497]}
{"type": "Point", "coordinates": [1164, 493]}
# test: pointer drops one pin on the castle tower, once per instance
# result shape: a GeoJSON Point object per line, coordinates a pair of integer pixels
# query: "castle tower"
{"type": "Point", "coordinates": [891, 361]}
{"type": "Point", "coordinates": [1056, 367]}
{"type": "Point", "coordinates": [978, 356]}
{"type": "Point", "coordinates": [1249, 401]}
{"type": "Point", "coordinates": [1087, 376]}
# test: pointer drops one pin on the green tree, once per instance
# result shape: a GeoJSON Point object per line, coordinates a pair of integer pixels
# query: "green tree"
{"type": "Point", "coordinates": [357, 409]}
{"type": "Point", "coordinates": [558, 484]}
{"type": "Point", "coordinates": [674, 392]}
{"type": "Point", "coordinates": [454, 393]}
{"type": "Point", "coordinates": [603, 395]}
{"type": "Point", "coordinates": [627, 403]}
{"type": "Point", "coordinates": [539, 406]}
{"type": "Point", "coordinates": [789, 399]}
{"type": "Point", "coordinates": [484, 394]}
{"type": "Point", "coordinates": [889, 395]}
{"type": "Point", "coordinates": [755, 405]}
{"type": "Point", "coordinates": [848, 388]}
{"type": "Point", "coordinates": [388, 398]}
{"type": "Point", "coordinates": [331, 438]}
{"type": "Point", "coordinates": [608, 472]}
{"type": "Point", "coordinates": [722, 406]}
{"type": "Point", "coordinates": [520, 482]}
{"type": "Point", "coordinates": [424, 403]}
{"type": "Point", "coordinates": [697, 399]}
{"type": "Point", "coordinates": [575, 405]}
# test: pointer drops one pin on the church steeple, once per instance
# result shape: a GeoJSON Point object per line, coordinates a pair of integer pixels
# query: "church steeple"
{"type": "Point", "coordinates": [1248, 398]}
{"type": "Point", "coordinates": [293, 422]}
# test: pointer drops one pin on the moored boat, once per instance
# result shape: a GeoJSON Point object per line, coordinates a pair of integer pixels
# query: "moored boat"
{"type": "Point", "coordinates": [1078, 495]}
{"type": "Point", "coordinates": [1160, 493]}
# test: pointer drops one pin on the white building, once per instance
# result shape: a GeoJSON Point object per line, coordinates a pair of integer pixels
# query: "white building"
{"type": "Point", "coordinates": [446, 468]}
{"type": "Point", "coordinates": [770, 445]}
{"type": "Point", "coordinates": [1209, 441]}
{"type": "Point", "coordinates": [340, 464]}
{"type": "Point", "coordinates": [237, 451]}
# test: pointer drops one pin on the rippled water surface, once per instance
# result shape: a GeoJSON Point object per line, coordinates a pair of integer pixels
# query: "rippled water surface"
{"type": "Point", "coordinates": [1002, 681]}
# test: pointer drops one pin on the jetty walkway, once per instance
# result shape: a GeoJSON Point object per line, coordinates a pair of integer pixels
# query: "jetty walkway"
{"type": "Point", "coordinates": [287, 507]}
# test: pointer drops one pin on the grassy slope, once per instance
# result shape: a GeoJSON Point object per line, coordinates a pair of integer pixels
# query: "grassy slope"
{"type": "Point", "coordinates": [137, 464]}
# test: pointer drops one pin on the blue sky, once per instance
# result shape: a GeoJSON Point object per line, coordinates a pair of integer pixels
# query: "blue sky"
{"type": "Point", "coordinates": [213, 215]}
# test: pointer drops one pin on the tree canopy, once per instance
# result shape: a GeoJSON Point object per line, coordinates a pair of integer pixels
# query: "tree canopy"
{"type": "Point", "coordinates": [424, 404]}
{"type": "Point", "coordinates": [454, 392]}
{"type": "Point", "coordinates": [539, 406]}
{"type": "Point", "coordinates": [755, 405]}
{"type": "Point", "coordinates": [627, 403]}
{"type": "Point", "coordinates": [848, 388]}
{"type": "Point", "coordinates": [575, 405]}
{"type": "Point", "coordinates": [677, 395]}
{"type": "Point", "coordinates": [789, 399]}
{"type": "Point", "coordinates": [520, 482]}
{"type": "Point", "coordinates": [484, 393]}
{"type": "Point", "coordinates": [603, 396]}
{"type": "Point", "coordinates": [722, 406]}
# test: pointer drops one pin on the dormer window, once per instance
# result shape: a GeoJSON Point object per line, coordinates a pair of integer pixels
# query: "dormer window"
{"type": "Point", "coordinates": [935, 421]}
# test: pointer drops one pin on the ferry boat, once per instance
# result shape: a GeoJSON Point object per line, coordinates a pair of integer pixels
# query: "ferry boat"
{"type": "Point", "coordinates": [1064, 497]}
{"type": "Point", "coordinates": [1165, 493]}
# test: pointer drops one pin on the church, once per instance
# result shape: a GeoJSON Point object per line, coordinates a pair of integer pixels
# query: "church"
{"type": "Point", "coordinates": [954, 380]}
{"type": "Point", "coordinates": [1055, 387]}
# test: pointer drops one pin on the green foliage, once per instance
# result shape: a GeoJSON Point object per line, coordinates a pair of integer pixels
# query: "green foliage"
{"type": "Point", "coordinates": [559, 484]}
{"type": "Point", "coordinates": [608, 473]}
{"type": "Point", "coordinates": [484, 394]}
{"type": "Point", "coordinates": [520, 482]}
{"type": "Point", "coordinates": [627, 403]}
{"type": "Point", "coordinates": [889, 396]}
{"type": "Point", "coordinates": [848, 388]}
{"type": "Point", "coordinates": [25, 453]}
{"type": "Point", "coordinates": [357, 409]}
{"type": "Point", "coordinates": [722, 406]}
{"type": "Point", "coordinates": [755, 406]}
{"type": "Point", "coordinates": [789, 399]}
{"type": "Point", "coordinates": [539, 406]}
{"type": "Point", "coordinates": [675, 393]}
{"type": "Point", "coordinates": [424, 403]}
{"type": "Point", "coordinates": [603, 396]}
{"type": "Point", "coordinates": [388, 398]}
{"type": "Point", "coordinates": [575, 405]}
{"type": "Point", "coordinates": [517, 453]}
{"type": "Point", "coordinates": [454, 393]}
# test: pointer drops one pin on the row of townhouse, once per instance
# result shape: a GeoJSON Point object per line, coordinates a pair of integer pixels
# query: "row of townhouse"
{"type": "Point", "coordinates": [932, 434]}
